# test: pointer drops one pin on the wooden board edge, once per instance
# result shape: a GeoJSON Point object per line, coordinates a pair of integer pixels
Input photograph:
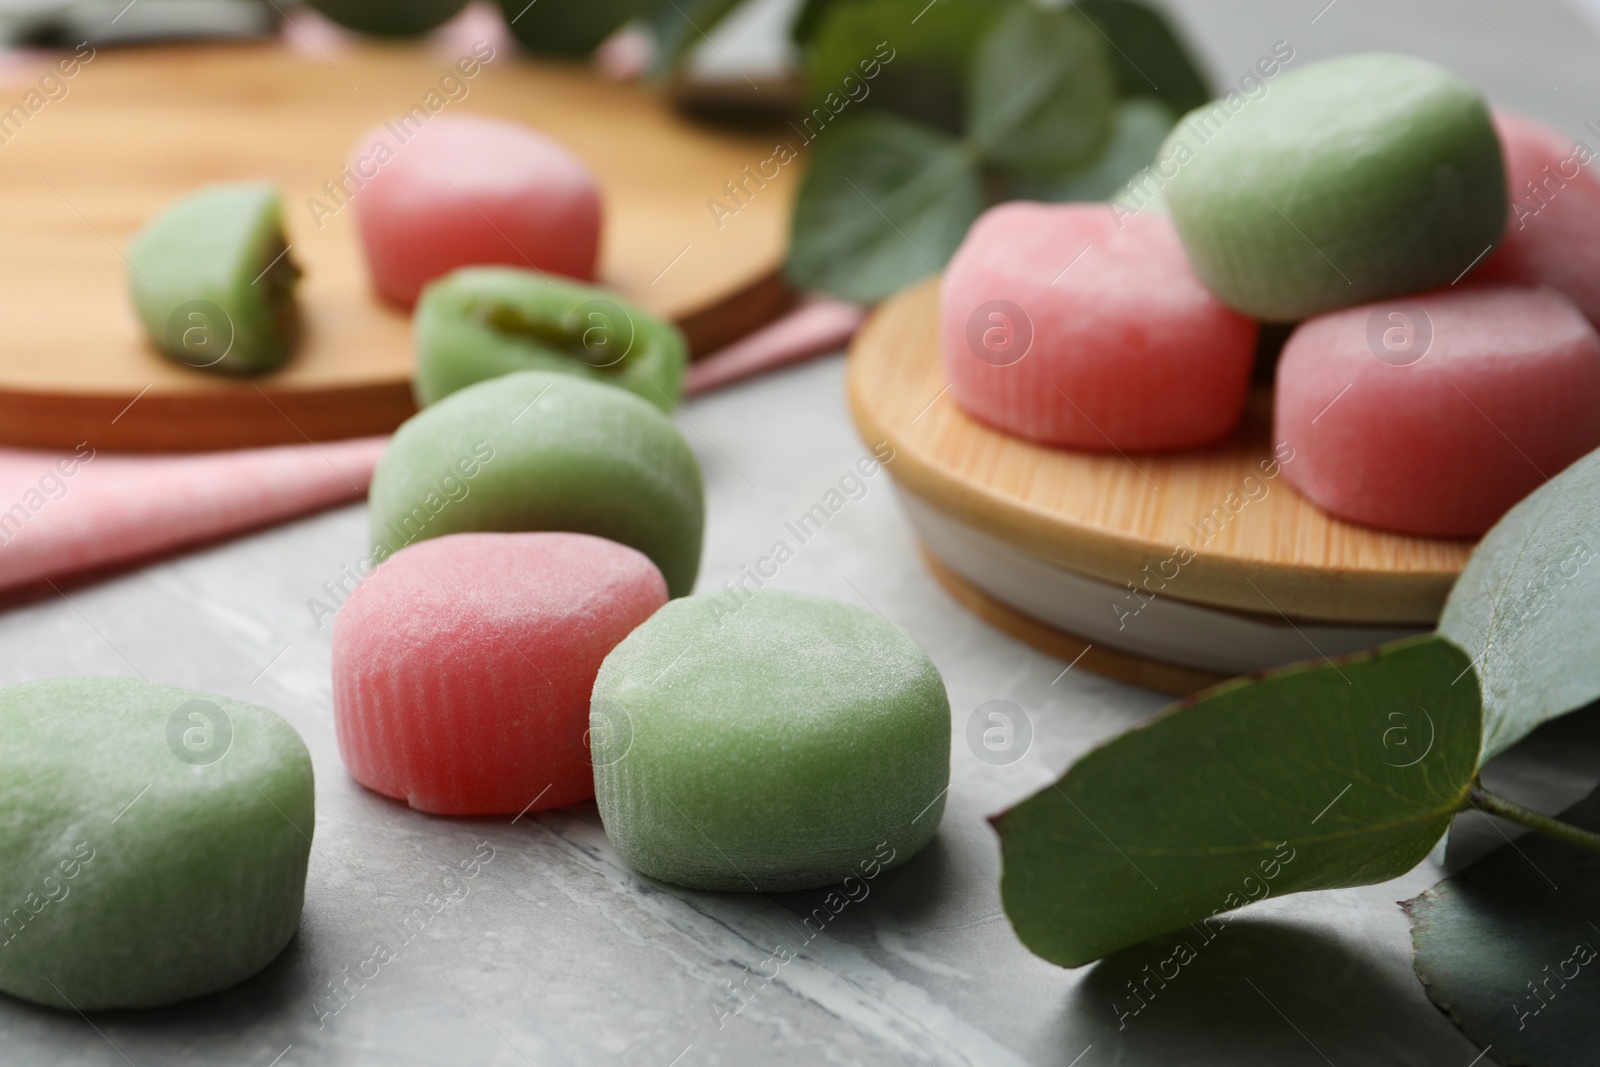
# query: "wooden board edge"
{"type": "Point", "coordinates": [233, 414]}
{"type": "Point", "coordinates": [243, 416]}
{"type": "Point", "coordinates": [738, 314]}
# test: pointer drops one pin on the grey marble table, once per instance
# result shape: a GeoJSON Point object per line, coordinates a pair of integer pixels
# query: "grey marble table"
{"type": "Point", "coordinates": [557, 953]}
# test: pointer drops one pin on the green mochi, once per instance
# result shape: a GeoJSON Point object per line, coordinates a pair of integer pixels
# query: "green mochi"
{"type": "Point", "coordinates": [1351, 181]}
{"type": "Point", "coordinates": [390, 18]}
{"type": "Point", "coordinates": [212, 280]}
{"type": "Point", "coordinates": [538, 450]}
{"type": "Point", "coordinates": [155, 842]}
{"type": "Point", "coordinates": [770, 743]}
{"type": "Point", "coordinates": [569, 27]}
{"type": "Point", "coordinates": [483, 322]}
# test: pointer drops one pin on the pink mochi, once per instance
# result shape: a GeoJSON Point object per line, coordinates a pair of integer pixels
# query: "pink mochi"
{"type": "Point", "coordinates": [1553, 231]}
{"type": "Point", "coordinates": [1481, 394]}
{"type": "Point", "coordinates": [462, 669]}
{"type": "Point", "coordinates": [464, 191]}
{"type": "Point", "coordinates": [1066, 326]}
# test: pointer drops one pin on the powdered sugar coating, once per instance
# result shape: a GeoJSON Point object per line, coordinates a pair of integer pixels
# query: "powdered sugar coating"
{"type": "Point", "coordinates": [1553, 234]}
{"type": "Point", "coordinates": [465, 190]}
{"type": "Point", "coordinates": [155, 842]}
{"type": "Point", "coordinates": [462, 669]}
{"type": "Point", "coordinates": [1128, 349]}
{"type": "Point", "coordinates": [770, 747]}
{"type": "Point", "coordinates": [1506, 395]}
{"type": "Point", "coordinates": [538, 450]}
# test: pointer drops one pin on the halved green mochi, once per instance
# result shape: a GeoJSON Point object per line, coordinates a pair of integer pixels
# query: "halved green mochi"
{"type": "Point", "coordinates": [155, 841]}
{"type": "Point", "coordinates": [482, 322]}
{"type": "Point", "coordinates": [213, 282]}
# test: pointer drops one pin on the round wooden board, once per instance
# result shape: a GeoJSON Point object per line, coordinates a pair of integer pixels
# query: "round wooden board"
{"type": "Point", "coordinates": [140, 127]}
{"type": "Point", "coordinates": [1107, 516]}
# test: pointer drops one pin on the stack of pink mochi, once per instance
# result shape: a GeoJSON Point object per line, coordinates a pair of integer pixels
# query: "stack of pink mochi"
{"type": "Point", "coordinates": [1080, 327]}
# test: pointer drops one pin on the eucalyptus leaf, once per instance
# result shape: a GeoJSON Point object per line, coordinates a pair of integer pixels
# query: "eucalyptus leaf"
{"type": "Point", "coordinates": [1043, 93]}
{"type": "Point", "coordinates": [810, 17]}
{"type": "Point", "coordinates": [1141, 129]}
{"type": "Point", "coordinates": [1510, 951]}
{"type": "Point", "coordinates": [1151, 59]}
{"type": "Point", "coordinates": [1315, 777]}
{"type": "Point", "coordinates": [568, 29]}
{"type": "Point", "coordinates": [1525, 609]}
{"type": "Point", "coordinates": [929, 49]}
{"type": "Point", "coordinates": [679, 26]}
{"type": "Point", "coordinates": [884, 203]}
{"type": "Point", "coordinates": [1186, 1000]}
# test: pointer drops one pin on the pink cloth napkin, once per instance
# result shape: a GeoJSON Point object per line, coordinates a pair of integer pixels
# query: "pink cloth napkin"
{"type": "Point", "coordinates": [65, 513]}
{"type": "Point", "coordinates": [818, 326]}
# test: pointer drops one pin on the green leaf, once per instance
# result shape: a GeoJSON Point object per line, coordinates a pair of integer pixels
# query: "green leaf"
{"type": "Point", "coordinates": [884, 203]}
{"type": "Point", "coordinates": [1525, 914]}
{"type": "Point", "coordinates": [1315, 777]}
{"type": "Point", "coordinates": [1524, 608]}
{"type": "Point", "coordinates": [919, 54]}
{"type": "Point", "coordinates": [1151, 59]}
{"type": "Point", "coordinates": [568, 29]}
{"type": "Point", "coordinates": [1141, 129]}
{"type": "Point", "coordinates": [1043, 92]}
{"type": "Point", "coordinates": [809, 18]}
{"type": "Point", "coordinates": [680, 25]}
{"type": "Point", "coordinates": [1186, 1000]}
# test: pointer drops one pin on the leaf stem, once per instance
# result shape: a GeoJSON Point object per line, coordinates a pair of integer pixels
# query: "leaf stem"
{"type": "Point", "coordinates": [1485, 801]}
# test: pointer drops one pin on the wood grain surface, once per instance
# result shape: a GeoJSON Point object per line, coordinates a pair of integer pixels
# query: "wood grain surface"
{"type": "Point", "coordinates": [1258, 545]}
{"type": "Point", "coordinates": [142, 126]}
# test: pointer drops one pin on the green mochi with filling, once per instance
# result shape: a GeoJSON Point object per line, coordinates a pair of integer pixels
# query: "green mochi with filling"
{"type": "Point", "coordinates": [539, 450]}
{"type": "Point", "coordinates": [1351, 181]}
{"type": "Point", "coordinates": [482, 322]}
{"type": "Point", "coordinates": [155, 842]}
{"type": "Point", "coordinates": [213, 282]}
{"type": "Point", "coordinates": [767, 743]}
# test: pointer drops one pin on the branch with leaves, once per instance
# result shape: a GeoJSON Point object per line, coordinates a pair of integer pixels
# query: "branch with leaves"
{"type": "Point", "coordinates": [1356, 766]}
{"type": "Point", "coordinates": [984, 102]}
